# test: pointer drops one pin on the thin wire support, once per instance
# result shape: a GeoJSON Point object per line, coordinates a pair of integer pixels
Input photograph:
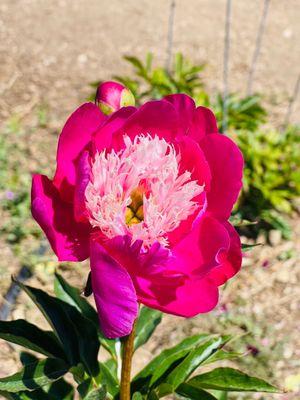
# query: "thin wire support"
{"type": "Point", "coordinates": [226, 63]}
{"type": "Point", "coordinates": [170, 35]}
{"type": "Point", "coordinates": [293, 98]}
{"type": "Point", "coordinates": [258, 43]}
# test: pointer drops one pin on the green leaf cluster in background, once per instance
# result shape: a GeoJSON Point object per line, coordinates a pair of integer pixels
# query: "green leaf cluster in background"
{"type": "Point", "coordinates": [271, 177]}
{"type": "Point", "coordinates": [18, 229]}
{"type": "Point", "coordinates": [15, 199]}
{"type": "Point", "coordinates": [272, 162]}
{"type": "Point", "coordinates": [64, 360]}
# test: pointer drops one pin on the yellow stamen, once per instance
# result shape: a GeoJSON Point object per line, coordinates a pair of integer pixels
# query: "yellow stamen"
{"type": "Point", "coordinates": [134, 212]}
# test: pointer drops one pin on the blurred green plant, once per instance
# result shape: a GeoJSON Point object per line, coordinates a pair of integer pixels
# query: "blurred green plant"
{"type": "Point", "coordinates": [17, 224]}
{"type": "Point", "coordinates": [72, 344]}
{"type": "Point", "coordinates": [242, 113]}
{"type": "Point", "coordinates": [154, 82]}
{"type": "Point", "coordinates": [271, 177]}
{"type": "Point", "coordinates": [272, 163]}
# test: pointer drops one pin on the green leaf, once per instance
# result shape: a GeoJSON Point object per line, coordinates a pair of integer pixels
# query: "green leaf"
{"type": "Point", "coordinates": [97, 394]}
{"type": "Point", "coordinates": [71, 295]}
{"type": "Point", "coordinates": [140, 69]}
{"type": "Point", "coordinates": [232, 380]}
{"type": "Point", "coordinates": [31, 337]}
{"type": "Point", "coordinates": [56, 313]}
{"type": "Point", "coordinates": [77, 335]}
{"type": "Point", "coordinates": [192, 361]}
{"type": "Point", "coordinates": [88, 341]}
{"type": "Point", "coordinates": [112, 366]}
{"type": "Point", "coordinates": [247, 247]}
{"type": "Point", "coordinates": [165, 360]}
{"type": "Point", "coordinates": [61, 389]}
{"type": "Point", "coordinates": [27, 358]}
{"type": "Point", "coordinates": [9, 396]}
{"type": "Point", "coordinates": [152, 395]}
{"type": "Point", "coordinates": [34, 376]}
{"type": "Point", "coordinates": [85, 387]}
{"type": "Point", "coordinates": [149, 58]}
{"type": "Point", "coordinates": [108, 380]}
{"type": "Point", "coordinates": [193, 393]}
{"type": "Point", "coordinates": [137, 396]}
{"type": "Point", "coordinates": [58, 390]}
{"type": "Point", "coordinates": [220, 355]}
{"type": "Point", "coordinates": [38, 394]}
{"type": "Point", "coordinates": [147, 322]}
{"type": "Point", "coordinates": [109, 344]}
{"type": "Point", "coordinates": [220, 395]}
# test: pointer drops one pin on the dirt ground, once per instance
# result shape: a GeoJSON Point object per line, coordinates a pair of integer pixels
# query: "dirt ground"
{"type": "Point", "coordinates": [51, 50]}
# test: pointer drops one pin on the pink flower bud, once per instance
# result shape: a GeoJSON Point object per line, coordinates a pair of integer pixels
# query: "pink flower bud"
{"type": "Point", "coordinates": [111, 96]}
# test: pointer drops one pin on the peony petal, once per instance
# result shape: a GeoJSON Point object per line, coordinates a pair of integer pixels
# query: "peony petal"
{"type": "Point", "coordinates": [226, 165]}
{"type": "Point", "coordinates": [203, 123]}
{"type": "Point", "coordinates": [151, 268]}
{"type": "Point", "coordinates": [230, 260]}
{"type": "Point", "coordinates": [196, 254]}
{"type": "Point", "coordinates": [195, 257]}
{"type": "Point", "coordinates": [114, 293]}
{"type": "Point", "coordinates": [82, 180]}
{"type": "Point", "coordinates": [69, 240]}
{"type": "Point", "coordinates": [74, 137]}
{"type": "Point", "coordinates": [191, 159]}
{"type": "Point", "coordinates": [185, 107]}
{"type": "Point", "coordinates": [196, 296]}
{"type": "Point", "coordinates": [110, 134]}
{"type": "Point", "coordinates": [154, 118]}
{"type": "Point", "coordinates": [176, 282]}
{"type": "Point", "coordinates": [137, 262]}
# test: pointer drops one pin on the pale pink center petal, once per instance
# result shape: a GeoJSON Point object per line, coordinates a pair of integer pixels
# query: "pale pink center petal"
{"type": "Point", "coordinates": [139, 191]}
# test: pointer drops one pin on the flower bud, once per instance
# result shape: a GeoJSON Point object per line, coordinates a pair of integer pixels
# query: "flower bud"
{"type": "Point", "coordinates": [111, 96]}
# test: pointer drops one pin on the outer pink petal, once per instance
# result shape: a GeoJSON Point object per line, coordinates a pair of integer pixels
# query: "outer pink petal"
{"type": "Point", "coordinates": [110, 134]}
{"type": "Point", "coordinates": [195, 256]}
{"type": "Point", "coordinates": [82, 180]}
{"type": "Point", "coordinates": [152, 264]}
{"type": "Point", "coordinates": [185, 107]}
{"type": "Point", "coordinates": [197, 252]}
{"type": "Point", "coordinates": [176, 282]}
{"type": "Point", "coordinates": [196, 122]}
{"type": "Point", "coordinates": [74, 137]}
{"type": "Point", "coordinates": [203, 123]}
{"type": "Point", "coordinates": [196, 296]}
{"type": "Point", "coordinates": [69, 240]}
{"type": "Point", "coordinates": [191, 159]}
{"type": "Point", "coordinates": [151, 268]}
{"type": "Point", "coordinates": [230, 260]}
{"type": "Point", "coordinates": [226, 165]}
{"type": "Point", "coordinates": [154, 118]}
{"type": "Point", "coordinates": [114, 293]}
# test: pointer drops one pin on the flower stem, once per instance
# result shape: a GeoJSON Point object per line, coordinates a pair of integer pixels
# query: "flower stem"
{"type": "Point", "coordinates": [128, 348]}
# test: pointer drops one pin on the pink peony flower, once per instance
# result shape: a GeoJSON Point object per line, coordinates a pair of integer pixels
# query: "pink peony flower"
{"type": "Point", "coordinates": [146, 194]}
